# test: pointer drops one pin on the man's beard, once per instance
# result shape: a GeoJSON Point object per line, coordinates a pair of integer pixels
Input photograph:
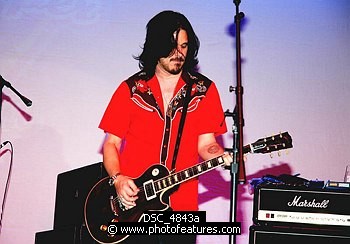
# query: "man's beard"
{"type": "Point", "coordinates": [178, 66]}
{"type": "Point", "coordinates": [176, 70]}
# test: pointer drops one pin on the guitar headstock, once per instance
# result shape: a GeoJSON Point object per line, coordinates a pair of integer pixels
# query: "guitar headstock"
{"type": "Point", "coordinates": [273, 143]}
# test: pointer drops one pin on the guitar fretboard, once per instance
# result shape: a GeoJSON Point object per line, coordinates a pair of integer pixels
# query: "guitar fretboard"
{"type": "Point", "coordinates": [187, 174]}
{"type": "Point", "coordinates": [265, 145]}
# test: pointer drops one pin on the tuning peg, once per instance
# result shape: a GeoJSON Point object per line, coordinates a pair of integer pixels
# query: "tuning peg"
{"type": "Point", "coordinates": [279, 153]}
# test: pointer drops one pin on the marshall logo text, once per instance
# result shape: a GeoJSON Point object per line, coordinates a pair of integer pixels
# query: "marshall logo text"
{"type": "Point", "coordinates": [298, 202]}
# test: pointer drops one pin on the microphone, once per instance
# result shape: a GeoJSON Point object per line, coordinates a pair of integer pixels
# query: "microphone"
{"type": "Point", "coordinates": [3, 144]}
{"type": "Point", "coordinates": [4, 82]}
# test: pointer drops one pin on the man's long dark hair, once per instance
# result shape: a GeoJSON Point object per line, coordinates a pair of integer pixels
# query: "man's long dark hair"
{"type": "Point", "coordinates": [160, 41]}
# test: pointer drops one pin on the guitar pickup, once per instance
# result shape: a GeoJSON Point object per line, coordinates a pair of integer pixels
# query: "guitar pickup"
{"type": "Point", "coordinates": [150, 192]}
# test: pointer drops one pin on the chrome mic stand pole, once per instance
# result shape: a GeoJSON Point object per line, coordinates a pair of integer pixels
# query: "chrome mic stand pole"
{"type": "Point", "coordinates": [237, 167]}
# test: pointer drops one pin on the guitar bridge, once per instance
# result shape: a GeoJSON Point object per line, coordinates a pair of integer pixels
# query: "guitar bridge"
{"type": "Point", "coordinates": [112, 204]}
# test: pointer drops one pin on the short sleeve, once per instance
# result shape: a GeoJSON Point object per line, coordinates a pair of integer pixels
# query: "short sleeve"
{"type": "Point", "coordinates": [212, 114]}
{"type": "Point", "coordinates": [116, 118]}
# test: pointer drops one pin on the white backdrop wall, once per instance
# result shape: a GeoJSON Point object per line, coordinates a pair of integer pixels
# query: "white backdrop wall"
{"type": "Point", "coordinates": [69, 56]}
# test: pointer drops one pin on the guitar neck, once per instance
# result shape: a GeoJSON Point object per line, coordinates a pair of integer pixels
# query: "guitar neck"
{"type": "Point", "coordinates": [187, 174]}
{"type": "Point", "coordinates": [264, 145]}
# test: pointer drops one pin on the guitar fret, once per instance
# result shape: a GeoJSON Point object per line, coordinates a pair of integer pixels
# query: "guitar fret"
{"type": "Point", "coordinates": [183, 176]}
{"type": "Point", "coordinates": [204, 166]}
{"type": "Point", "coordinates": [187, 173]}
{"type": "Point", "coordinates": [215, 162]}
{"type": "Point", "coordinates": [220, 160]}
{"type": "Point", "coordinates": [190, 171]}
{"type": "Point", "coordinates": [209, 164]}
{"type": "Point", "coordinates": [194, 170]}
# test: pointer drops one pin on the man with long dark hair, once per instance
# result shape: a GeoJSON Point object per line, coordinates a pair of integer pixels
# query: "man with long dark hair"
{"type": "Point", "coordinates": [143, 117]}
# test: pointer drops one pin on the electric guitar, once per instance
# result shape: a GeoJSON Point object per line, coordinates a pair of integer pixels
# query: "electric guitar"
{"type": "Point", "coordinates": [103, 206]}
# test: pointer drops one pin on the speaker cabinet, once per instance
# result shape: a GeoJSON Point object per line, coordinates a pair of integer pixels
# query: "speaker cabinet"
{"type": "Point", "coordinates": [69, 235]}
{"type": "Point", "coordinates": [278, 235]}
{"type": "Point", "coordinates": [72, 189]}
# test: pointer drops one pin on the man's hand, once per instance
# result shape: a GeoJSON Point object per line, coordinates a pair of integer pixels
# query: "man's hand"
{"type": "Point", "coordinates": [126, 190]}
{"type": "Point", "coordinates": [228, 158]}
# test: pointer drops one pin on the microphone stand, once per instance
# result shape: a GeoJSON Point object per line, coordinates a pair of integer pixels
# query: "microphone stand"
{"type": "Point", "coordinates": [237, 166]}
{"type": "Point", "coordinates": [3, 83]}
{"type": "Point", "coordinates": [28, 103]}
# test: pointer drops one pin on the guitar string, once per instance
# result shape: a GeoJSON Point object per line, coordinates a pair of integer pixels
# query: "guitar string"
{"type": "Point", "coordinates": [179, 174]}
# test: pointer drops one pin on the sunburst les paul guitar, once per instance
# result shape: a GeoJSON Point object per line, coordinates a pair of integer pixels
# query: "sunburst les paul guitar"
{"type": "Point", "coordinates": [103, 206]}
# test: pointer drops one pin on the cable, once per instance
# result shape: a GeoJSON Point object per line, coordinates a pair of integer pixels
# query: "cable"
{"type": "Point", "coordinates": [7, 184]}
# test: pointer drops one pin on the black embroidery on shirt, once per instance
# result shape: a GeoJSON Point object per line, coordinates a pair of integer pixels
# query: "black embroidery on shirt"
{"type": "Point", "coordinates": [142, 95]}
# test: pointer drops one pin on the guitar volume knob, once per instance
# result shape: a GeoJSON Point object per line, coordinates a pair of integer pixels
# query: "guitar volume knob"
{"type": "Point", "coordinates": [103, 228]}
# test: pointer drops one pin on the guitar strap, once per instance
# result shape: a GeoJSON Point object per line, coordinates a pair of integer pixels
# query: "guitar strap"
{"type": "Point", "coordinates": [182, 122]}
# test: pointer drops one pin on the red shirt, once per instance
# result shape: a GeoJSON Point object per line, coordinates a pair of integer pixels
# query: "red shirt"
{"type": "Point", "coordinates": [135, 113]}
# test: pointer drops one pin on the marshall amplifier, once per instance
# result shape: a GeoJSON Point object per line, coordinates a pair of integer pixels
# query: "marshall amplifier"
{"type": "Point", "coordinates": [287, 205]}
{"type": "Point", "coordinates": [273, 235]}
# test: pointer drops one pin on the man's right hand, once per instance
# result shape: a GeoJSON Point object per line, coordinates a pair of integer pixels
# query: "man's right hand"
{"type": "Point", "coordinates": [126, 190]}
